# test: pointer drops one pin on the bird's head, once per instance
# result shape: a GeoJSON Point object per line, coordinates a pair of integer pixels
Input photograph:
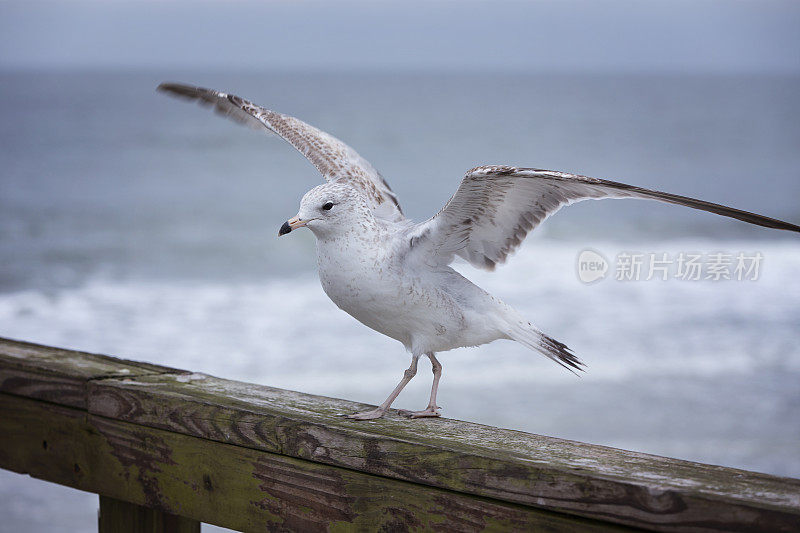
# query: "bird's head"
{"type": "Point", "coordinates": [327, 210]}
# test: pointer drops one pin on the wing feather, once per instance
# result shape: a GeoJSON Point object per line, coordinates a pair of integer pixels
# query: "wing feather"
{"type": "Point", "coordinates": [332, 158]}
{"type": "Point", "coordinates": [495, 208]}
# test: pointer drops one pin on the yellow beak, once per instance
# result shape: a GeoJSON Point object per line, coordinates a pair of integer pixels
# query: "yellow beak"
{"type": "Point", "coordinates": [292, 223]}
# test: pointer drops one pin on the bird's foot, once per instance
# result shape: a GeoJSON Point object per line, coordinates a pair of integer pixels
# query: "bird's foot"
{"type": "Point", "coordinates": [430, 412]}
{"type": "Point", "coordinates": [367, 415]}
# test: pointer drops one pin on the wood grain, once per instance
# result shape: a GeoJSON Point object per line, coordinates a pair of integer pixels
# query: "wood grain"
{"type": "Point", "coordinates": [117, 516]}
{"type": "Point", "coordinates": [60, 376]}
{"type": "Point", "coordinates": [189, 444]}
{"type": "Point", "coordinates": [237, 487]}
{"type": "Point", "coordinates": [594, 481]}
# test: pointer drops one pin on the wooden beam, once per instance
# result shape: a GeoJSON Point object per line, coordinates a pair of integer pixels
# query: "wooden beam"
{"type": "Point", "coordinates": [60, 376]}
{"type": "Point", "coordinates": [594, 481]}
{"type": "Point", "coordinates": [124, 402]}
{"type": "Point", "coordinates": [117, 516]}
{"type": "Point", "coordinates": [237, 487]}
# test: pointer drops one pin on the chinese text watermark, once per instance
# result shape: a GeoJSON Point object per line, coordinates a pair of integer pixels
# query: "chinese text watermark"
{"type": "Point", "coordinates": [593, 266]}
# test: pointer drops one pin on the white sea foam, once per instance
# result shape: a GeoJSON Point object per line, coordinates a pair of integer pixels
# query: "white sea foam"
{"type": "Point", "coordinates": [286, 332]}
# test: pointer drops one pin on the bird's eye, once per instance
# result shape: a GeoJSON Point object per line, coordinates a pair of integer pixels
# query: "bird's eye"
{"type": "Point", "coordinates": [327, 206]}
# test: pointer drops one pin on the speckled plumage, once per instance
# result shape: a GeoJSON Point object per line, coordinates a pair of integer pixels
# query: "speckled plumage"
{"type": "Point", "coordinates": [393, 275]}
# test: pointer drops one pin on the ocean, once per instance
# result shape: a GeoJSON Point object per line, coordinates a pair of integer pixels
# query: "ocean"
{"type": "Point", "coordinates": [139, 226]}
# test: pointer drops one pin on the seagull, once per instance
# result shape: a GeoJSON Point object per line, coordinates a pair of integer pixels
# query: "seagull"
{"type": "Point", "coordinates": [394, 275]}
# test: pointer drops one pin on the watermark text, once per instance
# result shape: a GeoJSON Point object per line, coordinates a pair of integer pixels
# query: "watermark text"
{"type": "Point", "coordinates": [593, 266]}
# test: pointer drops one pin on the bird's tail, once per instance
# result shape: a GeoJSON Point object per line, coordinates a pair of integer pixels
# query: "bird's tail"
{"type": "Point", "coordinates": [534, 339]}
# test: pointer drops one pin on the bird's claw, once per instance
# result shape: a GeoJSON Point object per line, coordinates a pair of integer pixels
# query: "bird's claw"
{"type": "Point", "coordinates": [430, 412]}
{"type": "Point", "coordinates": [367, 415]}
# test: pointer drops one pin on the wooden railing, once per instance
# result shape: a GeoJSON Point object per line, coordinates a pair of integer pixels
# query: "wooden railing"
{"type": "Point", "coordinates": [167, 449]}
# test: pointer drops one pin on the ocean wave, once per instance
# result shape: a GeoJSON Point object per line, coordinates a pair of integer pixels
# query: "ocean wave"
{"type": "Point", "coordinates": [285, 332]}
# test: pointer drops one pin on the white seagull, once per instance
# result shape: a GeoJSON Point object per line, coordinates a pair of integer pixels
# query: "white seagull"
{"type": "Point", "coordinates": [393, 274]}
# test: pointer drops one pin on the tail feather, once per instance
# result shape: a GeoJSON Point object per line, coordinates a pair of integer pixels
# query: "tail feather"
{"type": "Point", "coordinates": [547, 346]}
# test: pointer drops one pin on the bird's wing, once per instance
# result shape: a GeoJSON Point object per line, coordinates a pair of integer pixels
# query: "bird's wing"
{"type": "Point", "coordinates": [332, 158]}
{"type": "Point", "coordinates": [495, 207]}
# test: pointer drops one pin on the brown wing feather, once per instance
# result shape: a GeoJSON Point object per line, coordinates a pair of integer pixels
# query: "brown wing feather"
{"type": "Point", "coordinates": [332, 158]}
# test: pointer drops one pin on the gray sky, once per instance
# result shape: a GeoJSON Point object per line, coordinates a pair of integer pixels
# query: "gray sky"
{"type": "Point", "coordinates": [678, 35]}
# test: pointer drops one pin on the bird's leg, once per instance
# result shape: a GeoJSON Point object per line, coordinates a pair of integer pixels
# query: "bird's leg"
{"type": "Point", "coordinates": [432, 410]}
{"type": "Point", "coordinates": [382, 408]}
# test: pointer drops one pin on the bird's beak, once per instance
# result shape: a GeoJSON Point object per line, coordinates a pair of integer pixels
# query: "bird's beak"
{"type": "Point", "coordinates": [292, 223]}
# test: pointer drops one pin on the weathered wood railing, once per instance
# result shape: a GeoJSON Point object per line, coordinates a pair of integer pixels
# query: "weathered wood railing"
{"type": "Point", "coordinates": [177, 448]}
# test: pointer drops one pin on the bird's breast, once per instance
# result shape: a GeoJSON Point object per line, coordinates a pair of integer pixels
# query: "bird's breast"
{"type": "Point", "coordinates": [366, 288]}
{"type": "Point", "coordinates": [356, 282]}
{"type": "Point", "coordinates": [391, 300]}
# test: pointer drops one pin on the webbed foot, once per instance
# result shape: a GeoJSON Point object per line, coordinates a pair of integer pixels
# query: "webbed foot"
{"type": "Point", "coordinates": [430, 412]}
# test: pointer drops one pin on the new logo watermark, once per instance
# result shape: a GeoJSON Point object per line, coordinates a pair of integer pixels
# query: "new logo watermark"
{"type": "Point", "coordinates": [592, 266]}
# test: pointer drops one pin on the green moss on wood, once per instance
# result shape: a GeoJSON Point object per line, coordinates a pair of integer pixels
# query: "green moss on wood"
{"type": "Point", "coordinates": [236, 487]}
{"type": "Point", "coordinates": [152, 431]}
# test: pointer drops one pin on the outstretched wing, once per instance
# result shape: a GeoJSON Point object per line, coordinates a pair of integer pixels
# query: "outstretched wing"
{"type": "Point", "coordinates": [495, 207]}
{"type": "Point", "coordinates": [332, 158]}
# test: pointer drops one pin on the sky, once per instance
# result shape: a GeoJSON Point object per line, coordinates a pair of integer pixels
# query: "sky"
{"type": "Point", "coordinates": [685, 36]}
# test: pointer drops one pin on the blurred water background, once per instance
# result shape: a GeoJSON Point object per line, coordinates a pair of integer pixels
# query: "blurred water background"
{"type": "Point", "coordinates": [139, 226]}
